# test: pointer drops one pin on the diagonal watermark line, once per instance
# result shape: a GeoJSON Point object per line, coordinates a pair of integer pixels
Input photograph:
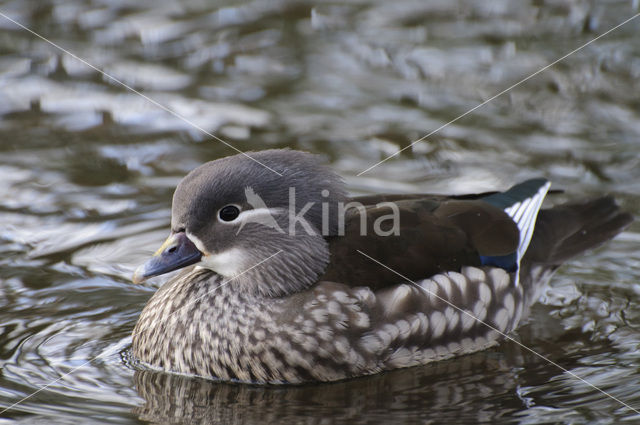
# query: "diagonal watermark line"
{"type": "Point", "coordinates": [128, 87]}
{"type": "Point", "coordinates": [532, 351]}
{"type": "Point", "coordinates": [500, 94]}
{"type": "Point", "coordinates": [108, 352]}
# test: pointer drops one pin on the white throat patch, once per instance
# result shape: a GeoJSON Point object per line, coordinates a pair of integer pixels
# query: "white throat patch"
{"type": "Point", "coordinates": [228, 263]}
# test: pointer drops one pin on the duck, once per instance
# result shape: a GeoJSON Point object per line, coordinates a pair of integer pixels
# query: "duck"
{"type": "Point", "coordinates": [283, 278]}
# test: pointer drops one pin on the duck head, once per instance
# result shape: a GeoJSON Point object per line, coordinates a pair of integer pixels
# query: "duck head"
{"type": "Point", "coordinates": [232, 214]}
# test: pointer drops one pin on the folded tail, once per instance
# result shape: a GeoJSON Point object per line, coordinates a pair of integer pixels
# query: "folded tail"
{"type": "Point", "coordinates": [567, 230]}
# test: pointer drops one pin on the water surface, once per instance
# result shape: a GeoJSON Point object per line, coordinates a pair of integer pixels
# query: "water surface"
{"type": "Point", "coordinates": [88, 167]}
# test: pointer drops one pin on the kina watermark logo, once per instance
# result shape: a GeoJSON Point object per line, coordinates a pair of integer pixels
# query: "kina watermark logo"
{"type": "Point", "coordinates": [326, 218]}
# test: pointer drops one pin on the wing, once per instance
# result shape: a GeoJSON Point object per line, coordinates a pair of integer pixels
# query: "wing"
{"type": "Point", "coordinates": [420, 236]}
{"type": "Point", "coordinates": [433, 236]}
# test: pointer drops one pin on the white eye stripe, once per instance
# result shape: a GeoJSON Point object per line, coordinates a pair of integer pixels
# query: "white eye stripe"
{"type": "Point", "coordinates": [264, 216]}
{"type": "Point", "coordinates": [257, 214]}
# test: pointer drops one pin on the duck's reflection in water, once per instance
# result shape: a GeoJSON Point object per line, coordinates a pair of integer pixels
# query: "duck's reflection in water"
{"type": "Point", "coordinates": [453, 390]}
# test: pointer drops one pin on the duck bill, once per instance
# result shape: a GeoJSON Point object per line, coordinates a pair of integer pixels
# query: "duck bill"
{"type": "Point", "coordinates": [175, 253]}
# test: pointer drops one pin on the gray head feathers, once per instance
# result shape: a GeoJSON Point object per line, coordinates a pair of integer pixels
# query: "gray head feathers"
{"type": "Point", "coordinates": [227, 178]}
{"type": "Point", "coordinates": [288, 214]}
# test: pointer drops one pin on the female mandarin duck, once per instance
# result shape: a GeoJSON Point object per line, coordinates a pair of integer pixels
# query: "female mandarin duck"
{"type": "Point", "coordinates": [296, 282]}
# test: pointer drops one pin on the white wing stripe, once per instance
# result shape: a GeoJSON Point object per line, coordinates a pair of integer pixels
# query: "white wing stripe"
{"type": "Point", "coordinates": [528, 224]}
{"type": "Point", "coordinates": [512, 208]}
{"type": "Point", "coordinates": [524, 213]}
{"type": "Point", "coordinates": [523, 209]}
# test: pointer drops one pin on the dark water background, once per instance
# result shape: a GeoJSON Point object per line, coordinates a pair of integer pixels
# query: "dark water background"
{"type": "Point", "coordinates": [87, 169]}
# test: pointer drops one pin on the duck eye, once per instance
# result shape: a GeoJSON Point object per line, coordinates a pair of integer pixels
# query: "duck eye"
{"type": "Point", "coordinates": [229, 213]}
